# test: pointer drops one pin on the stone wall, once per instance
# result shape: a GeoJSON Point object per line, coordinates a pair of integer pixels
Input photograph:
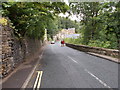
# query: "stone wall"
{"type": "Point", "coordinates": [0, 50]}
{"type": "Point", "coordinates": [7, 58]}
{"type": "Point", "coordinates": [103, 51]}
{"type": "Point", "coordinates": [15, 51]}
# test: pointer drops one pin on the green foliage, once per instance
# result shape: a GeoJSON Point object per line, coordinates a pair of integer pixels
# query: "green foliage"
{"type": "Point", "coordinates": [100, 23]}
{"type": "Point", "coordinates": [73, 41]}
{"type": "Point", "coordinates": [49, 37]}
{"type": "Point", "coordinates": [65, 23]}
{"type": "Point", "coordinates": [3, 21]}
{"type": "Point", "coordinates": [97, 43]}
{"type": "Point", "coordinates": [52, 27]}
{"type": "Point", "coordinates": [32, 18]}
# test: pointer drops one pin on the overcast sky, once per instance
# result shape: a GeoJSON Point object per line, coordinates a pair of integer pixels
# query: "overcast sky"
{"type": "Point", "coordinates": [66, 1]}
{"type": "Point", "coordinates": [72, 17]}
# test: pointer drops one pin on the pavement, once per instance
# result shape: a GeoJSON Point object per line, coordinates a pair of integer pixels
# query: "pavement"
{"type": "Point", "coordinates": [18, 77]}
{"type": "Point", "coordinates": [64, 67]}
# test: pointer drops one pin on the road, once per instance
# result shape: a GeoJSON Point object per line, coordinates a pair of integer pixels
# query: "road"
{"type": "Point", "coordinates": [64, 67]}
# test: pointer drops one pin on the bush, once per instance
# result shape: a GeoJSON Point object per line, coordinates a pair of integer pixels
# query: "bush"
{"type": "Point", "coordinates": [93, 43]}
{"type": "Point", "coordinates": [98, 43]}
{"type": "Point", "coordinates": [72, 40]}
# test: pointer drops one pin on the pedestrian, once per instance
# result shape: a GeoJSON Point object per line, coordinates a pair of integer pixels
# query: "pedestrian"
{"type": "Point", "coordinates": [62, 43]}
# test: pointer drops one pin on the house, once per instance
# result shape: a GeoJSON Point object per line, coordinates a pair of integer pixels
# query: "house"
{"type": "Point", "coordinates": [72, 36]}
{"type": "Point", "coordinates": [65, 32]}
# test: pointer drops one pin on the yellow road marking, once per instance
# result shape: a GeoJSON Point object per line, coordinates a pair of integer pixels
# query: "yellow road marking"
{"type": "Point", "coordinates": [38, 80]}
{"type": "Point", "coordinates": [35, 84]}
{"type": "Point", "coordinates": [31, 73]}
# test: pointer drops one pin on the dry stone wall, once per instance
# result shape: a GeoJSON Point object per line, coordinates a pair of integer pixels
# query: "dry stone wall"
{"type": "Point", "coordinates": [103, 51]}
{"type": "Point", "coordinates": [15, 51]}
{"type": "Point", "coordinates": [0, 50]}
{"type": "Point", "coordinates": [7, 58]}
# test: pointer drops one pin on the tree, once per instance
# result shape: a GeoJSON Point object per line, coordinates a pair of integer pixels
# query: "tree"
{"type": "Point", "coordinates": [110, 22]}
{"type": "Point", "coordinates": [88, 11]}
{"type": "Point", "coordinates": [65, 23]}
{"type": "Point", "coordinates": [99, 22]}
{"type": "Point", "coordinates": [31, 18]}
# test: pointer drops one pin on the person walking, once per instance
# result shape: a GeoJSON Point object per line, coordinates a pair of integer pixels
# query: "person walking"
{"type": "Point", "coordinates": [62, 43]}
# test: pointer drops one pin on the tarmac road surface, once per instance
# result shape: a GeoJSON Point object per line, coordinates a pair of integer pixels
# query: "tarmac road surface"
{"type": "Point", "coordinates": [64, 67]}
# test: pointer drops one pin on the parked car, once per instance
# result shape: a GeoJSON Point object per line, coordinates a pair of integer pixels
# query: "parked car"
{"type": "Point", "coordinates": [52, 42]}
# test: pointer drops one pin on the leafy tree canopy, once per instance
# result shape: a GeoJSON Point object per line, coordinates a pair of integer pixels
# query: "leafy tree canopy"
{"type": "Point", "coordinates": [31, 18]}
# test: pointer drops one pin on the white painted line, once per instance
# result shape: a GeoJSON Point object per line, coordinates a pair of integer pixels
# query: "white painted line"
{"type": "Point", "coordinates": [97, 79]}
{"type": "Point", "coordinates": [104, 84]}
{"type": "Point", "coordinates": [39, 82]}
{"type": "Point", "coordinates": [53, 49]}
{"type": "Point", "coordinates": [72, 59]}
{"type": "Point", "coordinates": [36, 81]}
{"type": "Point", "coordinates": [30, 75]}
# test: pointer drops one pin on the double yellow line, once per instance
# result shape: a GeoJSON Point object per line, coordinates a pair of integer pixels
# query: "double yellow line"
{"type": "Point", "coordinates": [38, 80]}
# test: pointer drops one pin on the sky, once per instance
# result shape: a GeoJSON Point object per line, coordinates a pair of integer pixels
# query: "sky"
{"type": "Point", "coordinates": [66, 1]}
{"type": "Point", "coordinates": [72, 17]}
